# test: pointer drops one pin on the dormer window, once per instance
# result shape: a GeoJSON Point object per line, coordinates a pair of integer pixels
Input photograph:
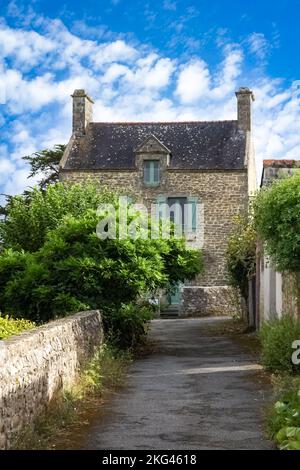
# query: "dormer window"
{"type": "Point", "coordinates": [151, 172]}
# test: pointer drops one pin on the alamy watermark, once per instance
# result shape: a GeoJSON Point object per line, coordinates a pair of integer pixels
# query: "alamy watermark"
{"type": "Point", "coordinates": [296, 354]}
{"type": "Point", "coordinates": [166, 219]}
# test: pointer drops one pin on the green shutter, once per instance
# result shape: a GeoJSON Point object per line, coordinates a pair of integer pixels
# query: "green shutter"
{"type": "Point", "coordinates": [192, 214]}
{"type": "Point", "coordinates": [161, 202]}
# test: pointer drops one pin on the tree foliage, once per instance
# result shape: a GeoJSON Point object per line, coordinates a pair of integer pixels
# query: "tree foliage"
{"type": "Point", "coordinates": [57, 264]}
{"type": "Point", "coordinates": [277, 220]}
{"type": "Point", "coordinates": [76, 270]}
{"type": "Point", "coordinates": [46, 163]}
{"type": "Point", "coordinates": [241, 253]}
{"type": "Point", "coordinates": [29, 217]}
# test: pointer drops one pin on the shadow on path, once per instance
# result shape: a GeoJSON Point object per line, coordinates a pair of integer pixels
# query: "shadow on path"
{"type": "Point", "coordinates": [196, 392]}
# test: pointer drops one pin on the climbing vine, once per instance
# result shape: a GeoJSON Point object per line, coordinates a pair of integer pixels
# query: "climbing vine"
{"type": "Point", "coordinates": [241, 253]}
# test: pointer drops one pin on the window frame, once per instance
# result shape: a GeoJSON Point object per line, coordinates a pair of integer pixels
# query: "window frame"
{"type": "Point", "coordinates": [151, 172]}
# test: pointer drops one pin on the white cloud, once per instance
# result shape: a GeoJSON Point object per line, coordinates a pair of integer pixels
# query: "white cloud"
{"type": "Point", "coordinates": [17, 181]}
{"type": "Point", "coordinates": [27, 48]}
{"type": "Point", "coordinates": [6, 167]}
{"type": "Point", "coordinates": [41, 65]}
{"type": "Point", "coordinates": [193, 82]}
{"type": "Point", "coordinates": [115, 51]}
{"type": "Point", "coordinates": [196, 82]}
{"type": "Point", "coordinates": [230, 71]}
{"type": "Point", "coordinates": [258, 45]}
{"type": "Point", "coordinates": [169, 5]}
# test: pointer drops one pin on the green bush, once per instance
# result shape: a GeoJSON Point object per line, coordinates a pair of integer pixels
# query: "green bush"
{"type": "Point", "coordinates": [127, 325]}
{"type": "Point", "coordinates": [75, 270]}
{"type": "Point", "coordinates": [284, 419]}
{"type": "Point", "coordinates": [277, 220]}
{"type": "Point", "coordinates": [11, 326]}
{"type": "Point", "coordinates": [276, 338]}
{"type": "Point", "coordinates": [57, 265]}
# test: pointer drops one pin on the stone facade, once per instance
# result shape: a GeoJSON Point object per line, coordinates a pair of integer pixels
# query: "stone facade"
{"type": "Point", "coordinates": [222, 194]}
{"type": "Point", "coordinates": [37, 364]}
{"type": "Point", "coordinates": [209, 166]}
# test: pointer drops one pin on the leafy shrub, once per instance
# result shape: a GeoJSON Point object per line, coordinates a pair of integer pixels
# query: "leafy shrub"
{"type": "Point", "coordinates": [284, 419]}
{"type": "Point", "coordinates": [106, 369]}
{"type": "Point", "coordinates": [277, 220]}
{"type": "Point", "coordinates": [75, 270]}
{"type": "Point", "coordinates": [53, 263]}
{"type": "Point", "coordinates": [10, 326]}
{"type": "Point", "coordinates": [276, 338]}
{"type": "Point", "coordinates": [127, 325]}
{"type": "Point", "coordinates": [241, 253]}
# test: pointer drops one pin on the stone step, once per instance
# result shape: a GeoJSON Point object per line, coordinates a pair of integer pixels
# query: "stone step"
{"type": "Point", "coordinates": [170, 312]}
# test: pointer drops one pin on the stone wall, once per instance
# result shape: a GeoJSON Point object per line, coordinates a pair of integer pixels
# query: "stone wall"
{"type": "Point", "coordinates": [291, 294]}
{"type": "Point", "coordinates": [207, 301]}
{"type": "Point", "coordinates": [37, 364]}
{"type": "Point", "coordinates": [222, 193]}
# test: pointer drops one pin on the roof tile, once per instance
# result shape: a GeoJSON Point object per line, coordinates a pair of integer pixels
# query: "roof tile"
{"type": "Point", "coordinates": [193, 145]}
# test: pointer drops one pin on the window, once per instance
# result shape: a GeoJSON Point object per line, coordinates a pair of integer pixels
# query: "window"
{"type": "Point", "coordinates": [151, 172]}
{"type": "Point", "coordinates": [177, 210]}
{"type": "Point", "coordinates": [183, 211]}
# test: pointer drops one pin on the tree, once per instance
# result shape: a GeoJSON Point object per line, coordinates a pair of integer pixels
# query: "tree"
{"type": "Point", "coordinates": [46, 162]}
{"type": "Point", "coordinates": [30, 216]}
{"type": "Point", "coordinates": [277, 221]}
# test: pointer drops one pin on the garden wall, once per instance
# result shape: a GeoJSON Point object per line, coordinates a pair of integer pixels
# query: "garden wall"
{"type": "Point", "coordinates": [37, 364]}
{"type": "Point", "coordinates": [207, 301]}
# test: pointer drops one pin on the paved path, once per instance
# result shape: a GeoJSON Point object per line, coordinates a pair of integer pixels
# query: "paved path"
{"type": "Point", "coordinates": [195, 392]}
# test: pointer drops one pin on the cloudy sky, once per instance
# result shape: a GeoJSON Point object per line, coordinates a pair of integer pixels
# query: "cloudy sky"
{"type": "Point", "coordinates": [145, 60]}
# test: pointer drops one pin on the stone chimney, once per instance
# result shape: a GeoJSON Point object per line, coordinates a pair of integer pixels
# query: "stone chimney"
{"type": "Point", "coordinates": [244, 108]}
{"type": "Point", "coordinates": [82, 112]}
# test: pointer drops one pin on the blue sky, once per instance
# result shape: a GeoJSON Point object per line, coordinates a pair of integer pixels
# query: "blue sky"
{"type": "Point", "coordinates": [156, 60]}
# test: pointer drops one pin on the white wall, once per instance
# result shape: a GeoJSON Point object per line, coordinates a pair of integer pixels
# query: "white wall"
{"type": "Point", "coordinates": [270, 291]}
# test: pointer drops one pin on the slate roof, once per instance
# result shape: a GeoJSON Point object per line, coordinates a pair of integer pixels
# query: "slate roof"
{"type": "Point", "coordinates": [193, 145]}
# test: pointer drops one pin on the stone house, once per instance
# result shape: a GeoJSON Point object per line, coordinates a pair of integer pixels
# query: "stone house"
{"type": "Point", "coordinates": [208, 166]}
{"type": "Point", "coordinates": [277, 293]}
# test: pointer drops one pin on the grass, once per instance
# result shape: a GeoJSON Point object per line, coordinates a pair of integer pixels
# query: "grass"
{"type": "Point", "coordinates": [277, 337]}
{"type": "Point", "coordinates": [10, 326]}
{"type": "Point", "coordinates": [70, 411]}
{"type": "Point", "coordinates": [283, 417]}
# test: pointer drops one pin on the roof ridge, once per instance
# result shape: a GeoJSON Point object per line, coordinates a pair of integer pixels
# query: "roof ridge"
{"type": "Point", "coordinates": [161, 122]}
{"type": "Point", "coordinates": [280, 162]}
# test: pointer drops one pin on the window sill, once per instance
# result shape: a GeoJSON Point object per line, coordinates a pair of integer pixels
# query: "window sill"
{"type": "Point", "coordinates": [151, 185]}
